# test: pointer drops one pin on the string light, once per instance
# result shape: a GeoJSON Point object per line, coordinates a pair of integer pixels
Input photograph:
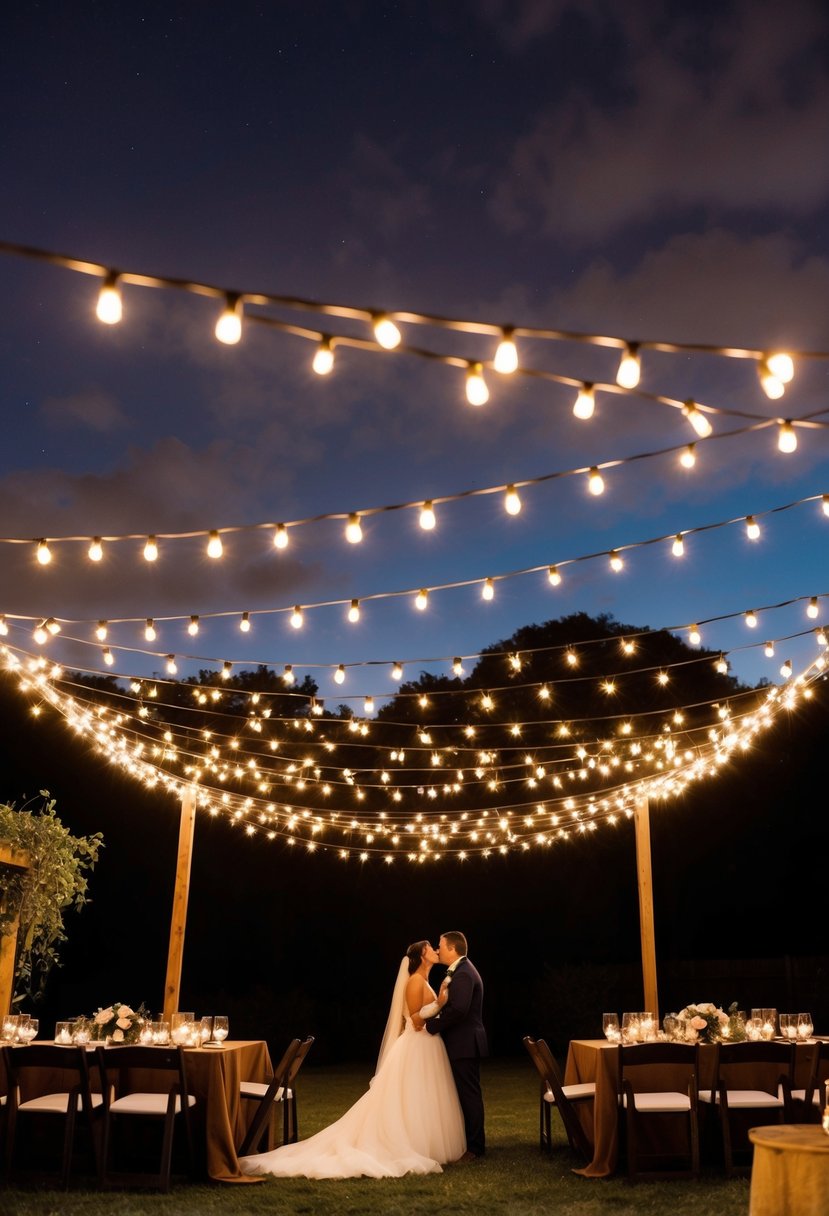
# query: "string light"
{"type": "Point", "coordinates": [353, 529]}
{"type": "Point", "coordinates": [616, 562]}
{"type": "Point", "coordinates": [386, 332]}
{"type": "Point", "coordinates": [786, 670]}
{"type": "Point", "coordinates": [694, 636]}
{"type": "Point", "coordinates": [39, 634]}
{"type": "Point", "coordinates": [44, 553]}
{"type": "Point", "coordinates": [751, 619]}
{"type": "Point", "coordinates": [488, 589]}
{"type": "Point", "coordinates": [244, 623]}
{"type": "Point", "coordinates": [768, 650]}
{"type": "Point", "coordinates": [193, 627]}
{"type": "Point", "coordinates": [229, 324]}
{"type": "Point", "coordinates": [752, 528]}
{"type": "Point", "coordinates": [296, 617]}
{"type": "Point", "coordinates": [108, 307]}
{"type": "Point", "coordinates": [227, 669]}
{"type": "Point", "coordinates": [280, 537]}
{"type": "Point", "coordinates": [215, 548]}
{"type": "Point", "coordinates": [108, 656]}
{"type": "Point", "coordinates": [812, 608]}
{"type": "Point", "coordinates": [595, 481]}
{"type": "Point", "coordinates": [678, 546]}
{"type": "Point", "coordinates": [630, 367]}
{"type": "Point", "coordinates": [151, 549]}
{"type": "Point", "coordinates": [427, 516]}
{"type": "Point", "coordinates": [172, 668]}
{"type": "Point", "coordinates": [477, 392]}
{"type": "Point", "coordinates": [149, 630]}
{"type": "Point", "coordinates": [288, 676]}
{"type": "Point", "coordinates": [96, 550]}
{"type": "Point", "coordinates": [787, 437]}
{"type": "Point", "coordinates": [825, 503]}
{"type": "Point", "coordinates": [688, 456]}
{"type": "Point", "coordinates": [396, 672]}
{"type": "Point", "coordinates": [553, 577]}
{"type": "Point", "coordinates": [339, 674]}
{"type": "Point", "coordinates": [820, 635]}
{"type": "Point", "coordinates": [354, 612]}
{"type": "Point", "coordinates": [323, 362]}
{"type": "Point", "coordinates": [721, 665]}
{"type": "Point", "coordinates": [697, 419]}
{"type": "Point", "coordinates": [512, 502]}
{"type": "Point", "coordinates": [771, 384]}
{"type": "Point", "coordinates": [585, 403]}
{"type": "Point", "coordinates": [457, 667]}
{"type": "Point", "coordinates": [4, 628]}
{"type": "Point", "coordinates": [422, 599]}
{"type": "Point", "coordinates": [368, 705]}
{"type": "Point", "coordinates": [101, 631]}
{"type": "Point", "coordinates": [506, 356]}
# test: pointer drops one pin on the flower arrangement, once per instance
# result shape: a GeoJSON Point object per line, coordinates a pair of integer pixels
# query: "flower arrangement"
{"type": "Point", "coordinates": [707, 1023]}
{"type": "Point", "coordinates": [118, 1023]}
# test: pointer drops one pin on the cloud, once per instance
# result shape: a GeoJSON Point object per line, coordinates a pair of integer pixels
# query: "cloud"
{"type": "Point", "coordinates": [93, 408]}
{"type": "Point", "coordinates": [381, 193]}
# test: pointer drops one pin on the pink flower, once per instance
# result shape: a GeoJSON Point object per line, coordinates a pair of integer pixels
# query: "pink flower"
{"type": "Point", "coordinates": [698, 1023]}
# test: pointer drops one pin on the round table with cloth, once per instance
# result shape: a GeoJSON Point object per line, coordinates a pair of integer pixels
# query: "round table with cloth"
{"type": "Point", "coordinates": [790, 1175]}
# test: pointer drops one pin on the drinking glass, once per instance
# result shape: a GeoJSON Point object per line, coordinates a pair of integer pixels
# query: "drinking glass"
{"type": "Point", "coordinates": [647, 1027]}
{"type": "Point", "coordinates": [785, 1018]}
{"type": "Point", "coordinates": [206, 1030]}
{"type": "Point", "coordinates": [161, 1033]}
{"type": "Point", "coordinates": [63, 1034]}
{"type": "Point", "coordinates": [610, 1027]}
{"type": "Point", "coordinates": [8, 1028]}
{"type": "Point", "coordinates": [631, 1029]}
{"type": "Point", "coordinates": [28, 1030]}
{"type": "Point", "coordinates": [769, 1023]}
{"type": "Point", "coordinates": [754, 1029]}
{"type": "Point", "coordinates": [145, 1034]}
{"type": "Point", "coordinates": [180, 1024]}
{"type": "Point", "coordinates": [220, 1027]}
{"type": "Point", "coordinates": [81, 1033]}
{"type": "Point", "coordinates": [670, 1024]}
{"type": "Point", "coordinates": [805, 1026]}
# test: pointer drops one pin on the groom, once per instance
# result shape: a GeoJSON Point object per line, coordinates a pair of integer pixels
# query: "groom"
{"type": "Point", "coordinates": [459, 1023]}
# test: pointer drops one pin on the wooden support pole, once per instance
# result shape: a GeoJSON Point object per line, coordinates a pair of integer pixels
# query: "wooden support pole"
{"type": "Point", "coordinates": [175, 953]}
{"type": "Point", "coordinates": [646, 922]}
{"type": "Point", "coordinates": [15, 859]}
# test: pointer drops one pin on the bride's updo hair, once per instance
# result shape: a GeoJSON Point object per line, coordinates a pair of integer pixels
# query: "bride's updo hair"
{"type": "Point", "coordinates": [415, 955]}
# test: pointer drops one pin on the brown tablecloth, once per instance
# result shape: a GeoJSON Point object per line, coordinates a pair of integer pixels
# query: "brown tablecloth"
{"type": "Point", "coordinates": [597, 1060]}
{"type": "Point", "coordinates": [790, 1174]}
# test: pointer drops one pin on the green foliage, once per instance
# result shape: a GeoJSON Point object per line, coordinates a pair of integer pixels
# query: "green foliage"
{"type": "Point", "coordinates": [55, 883]}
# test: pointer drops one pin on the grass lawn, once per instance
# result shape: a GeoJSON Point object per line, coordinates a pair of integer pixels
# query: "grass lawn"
{"type": "Point", "coordinates": [515, 1178]}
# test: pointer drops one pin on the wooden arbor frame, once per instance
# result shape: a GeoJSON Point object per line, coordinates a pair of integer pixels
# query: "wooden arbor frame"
{"type": "Point", "coordinates": [13, 859]}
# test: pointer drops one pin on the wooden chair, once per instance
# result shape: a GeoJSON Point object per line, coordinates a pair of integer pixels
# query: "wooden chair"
{"type": "Point", "coordinates": [808, 1102]}
{"type": "Point", "coordinates": [656, 1094]}
{"type": "Point", "coordinates": [563, 1097]}
{"type": "Point", "coordinates": [753, 1079]}
{"type": "Point", "coordinates": [65, 1104]}
{"type": "Point", "coordinates": [121, 1068]}
{"type": "Point", "coordinates": [266, 1094]}
{"type": "Point", "coordinates": [290, 1126]}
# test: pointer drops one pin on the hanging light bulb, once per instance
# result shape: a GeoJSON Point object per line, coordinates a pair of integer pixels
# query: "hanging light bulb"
{"type": "Point", "coordinates": [244, 623]}
{"type": "Point", "coordinates": [825, 503]}
{"type": "Point", "coordinates": [768, 650]}
{"type": "Point", "coordinates": [229, 324]}
{"type": "Point", "coordinates": [39, 633]}
{"type": "Point", "coordinates": [396, 672]}
{"type": "Point", "coordinates": [630, 367]}
{"type": "Point", "coordinates": [280, 537]}
{"type": "Point", "coordinates": [772, 385]}
{"type": "Point", "coordinates": [171, 664]}
{"type": "Point", "coordinates": [512, 503]}
{"type": "Point", "coordinates": [109, 658]}
{"type": "Point", "coordinates": [812, 608]}
{"type": "Point", "coordinates": [353, 529]}
{"type": "Point", "coordinates": [339, 674]}
{"type": "Point", "coordinates": [477, 392]}
{"type": "Point", "coordinates": [751, 619]}
{"type": "Point", "coordinates": [44, 553]}
{"type": "Point", "coordinates": [506, 356]}
{"type": "Point", "coordinates": [96, 550]}
{"type": "Point", "coordinates": [108, 308]}
{"type": "Point", "coordinates": [787, 437]}
{"type": "Point", "coordinates": [595, 481]}
{"type": "Point", "coordinates": [354, 612]}
{"type": "Point", "coordinates": [688, 456]}
{"type": "Point", "coordinates": [288, 676]}
{"type": "Point", "coordinates": [149, 630]}
{"type": "Point", "coordinates": [323, 357]}
{"type": "Point", "coordinates": [488, 590]}
{"type": "Point", "coordinates": [4, 627]}
{"type": "Point", "coordinates": [52, 626]}
{"type": "Point", "coordinates": [553, 576]}
{"type": "Point", "coordinates": [151, 549]}
{"type": "Point", "coordinates": [786, 669]}
{"type": "Point", "coordinates": [697, 419]}
{"type": "Point", "coordinates": [427, 516]}
{"type": "Point", "coordinates": [820, 635]}
{"type": "Point", "coordinates": [678, 547]}
{"type": "Point", "coordinates": [616, 563]}
{"type": "Point", "coordinates": [694, 635]}
{"type": "Point", "coordinates": [422, 599]}
{"type": "Point", "coordinates": [457, 666]}
{"type": "Point", "coordinates": [214, 545]}
{"type": "Point", "coordinates": [585, 402]}
{"type": "Point", "coordinates": [193, 627]}
{"type": "Point", "coordinates": [386, 332]}
{"type": "Point", "coordinates": [101, 631]}
{"type": "Point", "coordinates": [296, 617]}
{"type": "Point", "coordinates": [227, 668]}
{"type": "Point", "coordinates": [368, 705]}
{"type": "Point", "coordinates": [781, 365]}
{"type": "Point", "coordinates": [752, 528]}
{"type": "Point", "coordinates": [721, 665]}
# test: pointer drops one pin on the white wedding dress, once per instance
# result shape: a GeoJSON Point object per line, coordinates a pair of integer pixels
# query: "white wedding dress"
{"type": "Point", "coordinates": [408, 1122]}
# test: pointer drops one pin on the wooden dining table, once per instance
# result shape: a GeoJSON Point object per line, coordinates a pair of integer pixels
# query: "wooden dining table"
{"type": "Point", "coordinates": [598, 1061]}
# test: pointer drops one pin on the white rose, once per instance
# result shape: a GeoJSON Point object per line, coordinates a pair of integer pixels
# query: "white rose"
{"type": "Point", "coordinates": [124, 1011]}
{"type": "Point", "coordinates": [117, 1036]}
{"type": "Point", "coordinates": [124, 1023]}
{"type": "Point", "coordinates": [103, 1015]}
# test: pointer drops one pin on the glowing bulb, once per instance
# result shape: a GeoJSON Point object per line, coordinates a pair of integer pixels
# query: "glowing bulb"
{"type": "Point", "coordinates": [772, 385]}
{"type": "Point", "coordinates": [616, 562]}
{"type": "Point", "coordinates": [825, 503]}
{"type": "Point", "coordinates": [227, 668]}
{"type": "Point", "coordinates": [678, 547]}
{"type": "Point", "coordinates": [354, 612]}
{"type": "Point", "coordinates": [512, 503]}
{"type": "Point", "coordinates": [553, 577]}
{"type": "Point", "coordinates": [339, 674]}
{"type": "Point", "coordinates": [151, 549]}
{"type": "Point", "coordinates": [4, 627]}
{"type": "Point", "coordinates": [108, 308]}
{"type": "Point", "coordinates": [171, 664]}
{"type": "Point", "coordinates": [820, 634]}
{"type": "Point", "coordinates": [44, 554]}
{"type": "Point", "coordinates": [386, 332]}
{"type": "Point", "coordinates": [149, 630]}
{"type": "Point", "coordinates": [422, 599]}
{"type": "Point", "coordinates": [488, 590]}
{"type": "Point", "coordinates": [769, 650]}
{"type": "Point", "coordinates": [780, 365]}
{"type": "Point", "coordinates": [688, 456]}
{"type": "Point", "coordinates": [751, 619]}
{"type": "Point", "coordinates": [630, 367]}
{"type": "Point", "coordinates": [323, 358]}
{"type": "Point", "coordinates": [812, 608]}
{"type": "Point", "coordinates": [193, 627]}
{"type": "Point", "coordinates": [697, 419]}
{"type": "Point", "coordinates": [244, 623]}
{"type": "Point", "coordinates": [786, 669]}
{"type": "Point", "coordinates": [506, 356]}
{"type": "Point", "coordinates": [397, 672]}
{"type": "Point", "coordinates": [477, 392]}
{"type": "Point", "coordinates": [721, 665]}
{"type": "Point", "coordinates": [40, 635]}
{"type": "Point", "coordinates": [694, 636]}
{"type": "Point", "coordinates": [353, 530]}
{"type": "Point", "coordinates": [214, 545]}
{"type": "Point", "coordinates": [52, 626]}
{"type": "Point", "coordinates": [296, 617]}
{"type": "Point", "coordinates": [585, 402]}
{"type": "Point", "coordinates": [101, 631]}
{"type": "Point", "coordinates": [427, 516]}
{"type": "Point", "coordinates": [280, 537]}
{"type": "Point", "coordinates": [368, 705]}
{"type": "Point", "coordinates": [96, 550]}
{"type": "Point", "coordinates": [288, 676]}
{"type": "Point", "coordinates": [229, 324]}
{"type": "Point", "coordinates": [109, 658]}
{"type": "Point", "coordinates": [752, 528]}
{"type": "Point", "coordinates": [457, 666]}
{"type": "Point", "coordinates": [595, 482]}
{"type": "Point", "coordinates": [787, 437]}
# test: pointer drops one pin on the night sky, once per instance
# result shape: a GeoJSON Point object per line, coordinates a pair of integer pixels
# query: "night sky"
{"type": "Point", "coordinates": [624, 171]}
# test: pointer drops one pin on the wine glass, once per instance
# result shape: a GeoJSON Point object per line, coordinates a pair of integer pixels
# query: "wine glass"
{"type": "Point", "coordinates": [206, 1030]}
{"type": "Point", "coordinates": [631, 1029]}
{"type": "Point", "coordinates": [220, 1027]}
{"type": "Point", "coordinates": [610, 1027]}
{"type": "Point", "coordinates": [785, 1018]}
{"type": "Point", "coordinates": [805, 1026]}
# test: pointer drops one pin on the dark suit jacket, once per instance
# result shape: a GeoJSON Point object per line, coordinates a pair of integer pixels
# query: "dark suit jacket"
{"type": "Point", "coordinates": [459, 1022]}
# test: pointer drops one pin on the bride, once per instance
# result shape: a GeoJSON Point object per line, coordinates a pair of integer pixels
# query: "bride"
{"type": "Point", "coordinates": [409, 1121]}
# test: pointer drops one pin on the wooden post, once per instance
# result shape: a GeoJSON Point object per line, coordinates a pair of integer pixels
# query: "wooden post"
{"type": "Point", "coordinates": [646, 923]}
{"type": "Point", "coordinates": [15, 859]}
{"type": "Point", "coordinates": [175, 953]}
